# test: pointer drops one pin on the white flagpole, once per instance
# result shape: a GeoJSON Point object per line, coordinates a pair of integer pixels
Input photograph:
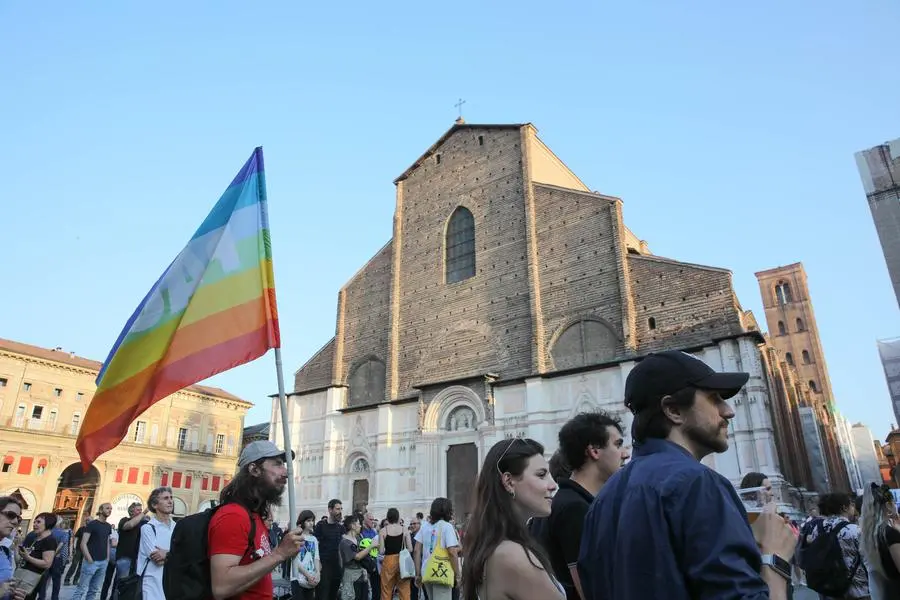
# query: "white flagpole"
{"type": "Point", "coordinates": [288, 448]}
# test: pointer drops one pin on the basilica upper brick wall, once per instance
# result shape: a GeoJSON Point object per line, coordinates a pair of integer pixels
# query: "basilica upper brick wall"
{"type": "Point", "coordinates": [318, 372]}
{"type": "Point", "coordinates": [579, 251]}
{"type": "Point", "coordinates": [363, 325]}
{"type": "Point", "coordinates": [554, 280]}
{"type": "Point", "coordinates": [679, 305]}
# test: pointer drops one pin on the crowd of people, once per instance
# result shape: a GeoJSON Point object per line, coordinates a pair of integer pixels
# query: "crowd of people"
{"type": "Point", "coordinates": [589, 524]}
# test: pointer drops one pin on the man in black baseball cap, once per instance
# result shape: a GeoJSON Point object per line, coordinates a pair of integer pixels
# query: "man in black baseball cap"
{"type": "Point", "coordinates": [666, 526]}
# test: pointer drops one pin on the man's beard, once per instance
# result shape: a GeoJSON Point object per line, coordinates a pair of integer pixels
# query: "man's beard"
{"type": "Point", "coordinates": [272, 493]}
{"type": "Point", "coordinates": [707, 437]}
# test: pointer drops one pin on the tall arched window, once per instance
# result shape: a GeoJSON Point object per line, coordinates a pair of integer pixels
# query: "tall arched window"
{"type": "Point", "coordinates": [783, 292]}
{"type": "Point", "coordinates": [806, 358]}
{"type": "Point", "coordinates": [460, 246]}
{"type": "Point", "coordinates": [789, 359]}
{"type": "Point", "coordinates": [812, 386]}
{"type": "Point", "coordinates": [799, 324]}
{"type": "Point", "coordinates": [782, 330]}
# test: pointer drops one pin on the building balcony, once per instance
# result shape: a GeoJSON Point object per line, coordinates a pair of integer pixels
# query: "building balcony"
{"type": "Point", "coordinates": [41, 425]}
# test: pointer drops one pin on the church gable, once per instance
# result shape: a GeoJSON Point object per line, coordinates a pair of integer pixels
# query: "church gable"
{"type": "Point", "coordinates": [546, 167]}
{"type": "Point", "coordinates": [462, 295]}
{"type": "Point", "coordinates": [680, 304]}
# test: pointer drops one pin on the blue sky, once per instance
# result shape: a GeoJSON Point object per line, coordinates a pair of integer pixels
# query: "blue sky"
{"type": "Point", "coordinates": [727, 129]}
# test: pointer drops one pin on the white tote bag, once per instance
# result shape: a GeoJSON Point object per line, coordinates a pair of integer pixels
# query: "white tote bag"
{"type": "Point", "coordinates": [407, 565]}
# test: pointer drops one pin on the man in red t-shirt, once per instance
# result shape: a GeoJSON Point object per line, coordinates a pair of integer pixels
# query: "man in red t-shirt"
{"type": "Point", "coordinates": [239, 571]}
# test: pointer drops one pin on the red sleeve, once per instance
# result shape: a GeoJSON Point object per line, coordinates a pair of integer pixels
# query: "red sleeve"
{"type": "Point", "coordinates": [229, 530]}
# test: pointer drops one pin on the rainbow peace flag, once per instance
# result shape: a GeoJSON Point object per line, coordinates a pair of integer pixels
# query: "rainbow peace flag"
{"type": "Point", "coordinates": [212, 309]}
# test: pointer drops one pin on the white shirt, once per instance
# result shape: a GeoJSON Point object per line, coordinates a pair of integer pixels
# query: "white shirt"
{"type": "Point", "coordinates": [150, 541]}
{"type": "Point", "coordinates": [428, 536]}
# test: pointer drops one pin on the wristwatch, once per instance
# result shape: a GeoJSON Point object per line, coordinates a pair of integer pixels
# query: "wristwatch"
{"type": "Point", "coordinates": [778, 564]}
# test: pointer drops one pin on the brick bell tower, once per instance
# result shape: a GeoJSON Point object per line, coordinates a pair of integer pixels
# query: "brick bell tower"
{"type": "Point", "coordinates": [793, 331]}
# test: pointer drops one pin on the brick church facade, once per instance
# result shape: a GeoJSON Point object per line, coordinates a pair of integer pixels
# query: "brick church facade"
{"type": "Point", "coordinates": [510, 297]}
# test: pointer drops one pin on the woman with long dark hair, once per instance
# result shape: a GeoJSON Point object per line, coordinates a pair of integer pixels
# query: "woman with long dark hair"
{"type": "Point", "coordinates": [503, 561]}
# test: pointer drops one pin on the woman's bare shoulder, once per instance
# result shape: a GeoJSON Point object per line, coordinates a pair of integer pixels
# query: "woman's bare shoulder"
{"type": "Point", "coordinates": [513, 555]}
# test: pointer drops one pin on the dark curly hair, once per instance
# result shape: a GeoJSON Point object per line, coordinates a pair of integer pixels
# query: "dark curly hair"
{"type": "Point", "coordinates": [582, 431]}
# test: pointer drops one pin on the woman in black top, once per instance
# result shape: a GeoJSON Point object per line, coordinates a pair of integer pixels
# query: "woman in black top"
{"type": "Point", "coordinates": [880, 542]}
{"type": "Point", "coordinates": [391, 540]}
{"type": "Point", "coordinates": [38, 557]}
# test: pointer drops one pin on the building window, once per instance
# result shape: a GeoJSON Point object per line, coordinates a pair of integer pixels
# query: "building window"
{"type": "Point", "coordinates": [79, 397]}
{"type": "Point", "coordinates": [812, 386]}
{"type": "Point", "coordinates": [42, 466]}
{"type": "Point", "coordinates": [132, 475]}
{"type": "Point", "coordinates": [800, 325]}
{"type": "Point", "coordinates": [783, 293]}
{"type": "Point", "coordinates": [37, 411]}
{"type": "Point", "coordinates": [51, 424]}
{"type": "Point", "coordinates": [7, 463]}
{"type": "Point", "coordinates": [145, 478]}
{"type": "Point", "coordinates": [164, 481]}
{"type": "Point", "coordinates": [437, 158]}
{"type": "Point", "coordinates": [651, 323]}
{"type": "Point", "coordinates": [216, 483]}
{"type": "Point", "coordinates": [789, 359]}
{"type": "Point", "coordinates": [176, 479]}
{"type": "Point", "coordinates": [20, 415]}
{"type": "Point", "coordinates": [806, 359]}
{"type": "Point", "coordinates": [781, 328]}
{"type": "Point", "coordinates": [57, 392]}
{"type": "Point", "coordinates": [188, 481]}
{"type": "Point", "coordinates": [182, 438]}
{"type": "Point", "coordinates": [120, 475]}
{"type": "Point", "coordinates": [26, 386]}
{"type": "Point", "coordinates": [220, 443]}
{"type": "Point", "coordinates": [204, 483]}
{"type": "Point", "coordinates": [140, 432]}
{"type": "Point", "coordinates": [460, 246]}
{"type": "Point", "coordinates": [3, 382]}
{"type": "Point", "coordinates": [76, 423]}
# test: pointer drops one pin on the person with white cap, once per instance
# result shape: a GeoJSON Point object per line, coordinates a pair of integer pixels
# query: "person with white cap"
{"type": "Point", "coordinates": [236, 571]}
{"type": "Point", "coordinates": [667, 526]}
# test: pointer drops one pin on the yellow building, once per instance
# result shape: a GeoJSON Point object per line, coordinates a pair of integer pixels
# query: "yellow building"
{"type": "Point", "coordinates": [189, 441]}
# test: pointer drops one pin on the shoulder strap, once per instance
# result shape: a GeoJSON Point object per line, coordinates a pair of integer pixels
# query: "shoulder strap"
{"type": "Point", "coordinates": [251, 538]}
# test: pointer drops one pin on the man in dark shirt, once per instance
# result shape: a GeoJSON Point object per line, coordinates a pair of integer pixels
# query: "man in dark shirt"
{"type": "Point", "coordinates": [591, 444]}
{"type": "Point", "coordinates": [75, 568]}
{"type": "Point", "coordinates": [95, 548]}
{"type": "Point", "coordinates": [329, 534]}
{"type": "Point", "coordinates": [666, 526]}
{"type": "Point", "coordinates": [129, 540]}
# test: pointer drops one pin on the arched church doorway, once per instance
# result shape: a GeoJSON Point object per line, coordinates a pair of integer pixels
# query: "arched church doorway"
{"type": "Point", "coordinates": [360, 477]}
{"type": "Point", "coordinates": [75, 493]}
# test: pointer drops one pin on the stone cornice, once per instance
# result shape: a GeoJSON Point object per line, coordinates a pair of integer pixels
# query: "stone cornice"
{"type": "Point", "coordinates": [48, 363]}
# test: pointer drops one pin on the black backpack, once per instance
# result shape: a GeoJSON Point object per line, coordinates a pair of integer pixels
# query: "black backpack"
{"type": "Point", "coordinates": [823, 561]}
{"type": "Point", "coordinates": [186, 574]}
